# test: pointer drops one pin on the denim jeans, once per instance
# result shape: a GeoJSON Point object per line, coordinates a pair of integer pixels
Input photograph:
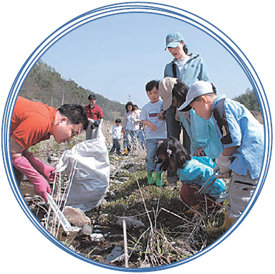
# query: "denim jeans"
{"type": "Point", "coordinates": [130, 139]}
{"type": "Point", "coordinates": [141, 138]}
{"type": "Point", "coordinates": [151, 148]}
{"type": "Point", "coordinates": [116, 146]}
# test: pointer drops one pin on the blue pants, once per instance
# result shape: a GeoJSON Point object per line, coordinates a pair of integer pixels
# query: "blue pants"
{"type": "Point", "coordinates": [151, 147]}
{"type": "Point", "coordinates": [141, 138]}
{"type": "Point", "coordinates": [130, 139]}
{"type": "Point", "coordinates": [116, 146]}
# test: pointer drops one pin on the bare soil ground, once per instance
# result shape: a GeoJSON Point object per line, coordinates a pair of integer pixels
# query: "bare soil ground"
{"type": "Point", "coordinates": [159, 228]}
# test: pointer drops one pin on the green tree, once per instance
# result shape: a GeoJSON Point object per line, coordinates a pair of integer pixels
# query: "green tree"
{"type": "Point", "coordinates": [249, 99]}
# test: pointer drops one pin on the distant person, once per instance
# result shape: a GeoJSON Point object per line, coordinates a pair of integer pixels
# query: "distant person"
{"type": "Point", "coordinates": [193, 172]}
{"type": "Point", "coordinates": [242, 137]}
{"type": "Point", "coordinates": [155, 131]}
{"type": "Point", "coordinates": [116, 136]}
{"type": "Point", "coordinates": [33, 122]}
{"type": "Point", "coordinates": [140, 131]}
{"type": "Point", "coordinates": [95, 116]}
{"type": "Point", "coordinates": [130, 127]}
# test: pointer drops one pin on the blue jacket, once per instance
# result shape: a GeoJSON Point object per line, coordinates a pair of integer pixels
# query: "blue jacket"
{"type": "Point", "coordinates": [202, 133]}
{"type": "Point", "coordinates": [194, 69]}
{"type": "Point", "coordinates": [197, 171]}
{"type": "Point", "coordinates": [236, 126]}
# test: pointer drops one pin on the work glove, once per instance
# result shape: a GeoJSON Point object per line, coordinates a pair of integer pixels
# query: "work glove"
{"type": "Point", "coordinates": [41, 186]}
{"type": "Point", "coordinates": [222, 167]}
{"type": "Point", "coordinates": [46, 170]}
{"type": "Point", "coordinates": [91, 121]}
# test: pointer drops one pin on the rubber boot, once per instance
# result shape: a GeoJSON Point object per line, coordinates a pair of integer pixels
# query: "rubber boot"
{"type": "Point", "coordinates": [150, 177]}
{"type": "Point", "coordinates": [159, 179]}
{"type": "Point", "coordinates": [228, 222]}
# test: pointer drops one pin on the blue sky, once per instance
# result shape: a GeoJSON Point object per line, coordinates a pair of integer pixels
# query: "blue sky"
{"type": "Point", "coordinates": [117, 55]}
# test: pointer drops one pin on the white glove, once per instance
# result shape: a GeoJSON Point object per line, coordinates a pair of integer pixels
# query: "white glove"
{"type": "Point", "coordinates": [223, 163]}
{"type": "Point", "coordinates": [91, 121]}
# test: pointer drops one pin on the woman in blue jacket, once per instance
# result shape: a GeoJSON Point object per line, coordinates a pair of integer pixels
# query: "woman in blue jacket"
{"type": "Point", "coordinates": [199, 136]}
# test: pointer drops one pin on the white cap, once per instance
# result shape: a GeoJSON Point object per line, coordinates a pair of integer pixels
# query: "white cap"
{"type": "Point", "coordinates": [197, 89]}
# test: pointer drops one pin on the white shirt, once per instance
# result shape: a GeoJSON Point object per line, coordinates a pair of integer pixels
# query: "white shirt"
{"type": "Point", "coordinates": [150, 113]}
{"type": "Point", "coordinates": [181, 64]}
{"type": "Point", "coordinates": [116, 132]}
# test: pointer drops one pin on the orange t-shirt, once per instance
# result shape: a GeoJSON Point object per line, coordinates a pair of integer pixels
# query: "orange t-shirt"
{"type": "Point", "coordinates": [31, 122]}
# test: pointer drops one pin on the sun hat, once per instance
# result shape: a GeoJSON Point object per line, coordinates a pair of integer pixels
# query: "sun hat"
{"type": "Point", "coordinates": [166, 86]}
{"type": "Point", "coordinates": [197, 89]}
{"type": "Point", "coordinates": [173, 39]}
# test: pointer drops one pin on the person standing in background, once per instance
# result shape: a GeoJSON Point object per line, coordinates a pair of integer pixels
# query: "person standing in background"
{"type": "Point", "coordinates": [116, 136]}
{"type": "Point", "coordinates": [129, 128]}
{"type": "Point", "coordinates": [95, 116]}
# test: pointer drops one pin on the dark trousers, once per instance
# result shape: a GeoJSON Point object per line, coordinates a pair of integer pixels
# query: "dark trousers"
{"type": "Point", "coordinates": [173, 130]}
{"type": "Point", "coordinates": [116, 146]}
{"type": "Point", "coordinates": [189, 196]}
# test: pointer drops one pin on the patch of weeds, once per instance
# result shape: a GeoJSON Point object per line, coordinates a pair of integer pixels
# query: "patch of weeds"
{"type": "Point", "coordinates": [127, 188]}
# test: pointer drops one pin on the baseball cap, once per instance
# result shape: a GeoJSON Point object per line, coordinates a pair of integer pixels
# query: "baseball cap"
{"type": "Point", "coordinates": [197, 89]}
{"type": "Point", "coordinates": [173, 39]}
{"type": "Point", "coordinates": [166, 86]}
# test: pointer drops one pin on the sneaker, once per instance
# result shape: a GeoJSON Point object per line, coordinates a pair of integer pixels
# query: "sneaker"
{"type": "Point", "coordinates": [159, 179]}
{"type": "Point", "coordinates": [150, 177]}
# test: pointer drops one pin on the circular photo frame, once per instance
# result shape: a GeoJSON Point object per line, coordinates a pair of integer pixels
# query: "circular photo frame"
{"type": "Point", "coordinates": [141, 11]}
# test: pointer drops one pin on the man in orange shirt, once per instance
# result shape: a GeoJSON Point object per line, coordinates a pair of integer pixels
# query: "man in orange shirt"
{"type": "Point", "coordinates": [33, 122]}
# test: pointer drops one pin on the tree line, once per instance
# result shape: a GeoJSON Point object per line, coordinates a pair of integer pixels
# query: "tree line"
{"type": "Point", "coordinates": [46, 85]}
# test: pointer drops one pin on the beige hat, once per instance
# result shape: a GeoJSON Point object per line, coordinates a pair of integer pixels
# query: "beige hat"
{"type": "Point", "coordinates": [165, 91]}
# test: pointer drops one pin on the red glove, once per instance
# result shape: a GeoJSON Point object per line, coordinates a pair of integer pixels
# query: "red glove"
{"type": "Point", "coordinates": [46, 170]}
{"type": "Point", "coordinates": [41, 186]}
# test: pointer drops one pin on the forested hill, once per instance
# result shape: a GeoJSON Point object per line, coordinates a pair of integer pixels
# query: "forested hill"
{"type": "Point", "coordinates": [46, 85]}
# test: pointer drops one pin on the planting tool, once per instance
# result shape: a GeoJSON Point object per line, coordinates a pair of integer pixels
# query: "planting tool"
{"type": "Point", "coordinates": [205, 186]}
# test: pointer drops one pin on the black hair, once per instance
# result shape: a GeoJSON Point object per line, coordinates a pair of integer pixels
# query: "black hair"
{"type": "Point", "coordinates": [150, 85]}
{"type": "Point", "coordinates": [129, 104]}
{"type": "Point", "coordinates": [180, 91]}
{"type": "Point", "coordinates": [171, 148]}
{"type": "Point", "coordinates": [214, 88]}
{"type": "Point", "coordinates": [136, 106]}
{"type": "Point", "coordinates": [91, 97]}
{"type": "Point", "coordinates": [117, 121]}
{"type": "Point", "coordinates": [75, 113]}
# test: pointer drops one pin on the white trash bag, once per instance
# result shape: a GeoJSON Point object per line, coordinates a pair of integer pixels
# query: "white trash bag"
{"type": "Point", "coordinates": [91, 175]}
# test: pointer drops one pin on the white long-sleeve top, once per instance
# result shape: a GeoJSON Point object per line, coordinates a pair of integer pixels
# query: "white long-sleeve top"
{"type": "Point", "coordinates": [116, 132]}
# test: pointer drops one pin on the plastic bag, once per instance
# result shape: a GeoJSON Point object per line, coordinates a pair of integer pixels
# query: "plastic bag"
{"type": "Point", "coordinates": [91, 174]}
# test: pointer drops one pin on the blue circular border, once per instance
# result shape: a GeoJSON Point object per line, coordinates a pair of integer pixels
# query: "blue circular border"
{"type": "Point", "coordinates": [116, 9]}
